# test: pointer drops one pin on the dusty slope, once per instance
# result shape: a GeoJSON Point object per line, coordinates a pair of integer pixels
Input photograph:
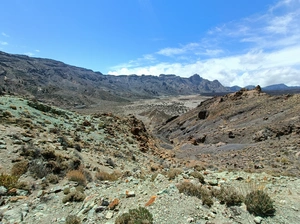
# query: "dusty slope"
{"type": "Point", "coordinates": [46, 143]}
{"type": "Point", "coordinates": [247, 130]}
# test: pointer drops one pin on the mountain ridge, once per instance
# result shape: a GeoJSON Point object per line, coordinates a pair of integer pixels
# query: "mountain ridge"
{"type": "Point", "coordinates": [67, 85]}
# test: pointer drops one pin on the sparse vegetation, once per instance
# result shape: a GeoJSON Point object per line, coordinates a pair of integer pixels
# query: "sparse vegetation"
{"type": "Point", "coordinates": [73, 219]}
{"type": "Point", "coordinates": [259, 203]}
{"type": "Point", "coordinates": [52, 178]}
{"type": "Point", "coordinates": [75, 196]}
{"type": "Point", "coordinates": [228, 196]}
{"type": "Point", "coordinates": [19, 168]}
{"type": "Point", "coordinates": [78, 176]}
{"type": "Point", "coordinates": [137, 216]}
{"type": "Point", "coordinates": [196, 190]}
{"type": "Point", "coordinates": [101, 175]}
{"type": "Point", "coordinates": [198, 175]}
{"type": "Point", "coordinates": [8, 181]}
{"type": "Point", "coordinates": [172, 173]}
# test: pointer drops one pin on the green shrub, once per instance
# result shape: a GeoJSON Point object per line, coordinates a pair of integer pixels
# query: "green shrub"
{"type": "Point", "coordinates": [136, 216]}
{"type": "Point", "coordinates": [73, 219]}
{"type": "Point", "coordinates": [259, 203]}
{"type": "Point", "coordinates": [228, 196]}
{"type": "Point", "coordinates": [8, 181]}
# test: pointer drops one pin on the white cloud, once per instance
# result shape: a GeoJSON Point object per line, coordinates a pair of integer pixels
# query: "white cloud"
{"type": "Point", "coordinates": [4, 34]}
{"type": "Point", "coordinates": [29, 54]}
{"type": "Point", "coordinates": [3, 43]}
{"type": "Point", "coordinates": [37, 50]}
{"type": "Point", "coordinates": [261, 49]}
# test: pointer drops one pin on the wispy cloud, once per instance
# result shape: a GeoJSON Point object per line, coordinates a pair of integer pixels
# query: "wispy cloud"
{"type": "Point", "coordinates": [260, 49]}
{"type": "Point", "coordinates": [29, 54]}
{"type": "Point", "coordinates": [3, 43]}
{"type": "Point", "coordinates": [4, 34]}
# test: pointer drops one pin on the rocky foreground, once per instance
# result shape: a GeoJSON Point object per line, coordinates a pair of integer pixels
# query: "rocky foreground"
{"type": "Point", "coordinates": [59, 166]}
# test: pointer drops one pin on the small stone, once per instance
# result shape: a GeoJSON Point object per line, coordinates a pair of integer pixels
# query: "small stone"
{"type": "Point", "coordinates": [114, 204]}
{"type": "Point", "coordinates": [109, 215]}
{"type": "Point", "coordinates": [258, 219]}
{"type": "Point", "coordinates": [100, 209]}
{"type": "Point", "coordinates": [104, 203]}
{"type": "Point", "coordinates": [190, 219]}
{"type": "Point", "coordinates": [3, 190]}
{"type": "Point", "coordinates": [213, 182]}
{"type": "Point", "coordinates": [13, 216]}
{"type": "Point", "coordinates": [56, 189]}
{"type": "Point", "coordinates": [22, 192]}
{"type": "Point", "coordinates": [130, 194]}
{"type": "Point", "coordinates": [2, 146]}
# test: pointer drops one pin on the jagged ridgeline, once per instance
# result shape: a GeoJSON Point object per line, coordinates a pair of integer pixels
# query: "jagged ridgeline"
{"type": "Point", "coordinates": [64, 84]}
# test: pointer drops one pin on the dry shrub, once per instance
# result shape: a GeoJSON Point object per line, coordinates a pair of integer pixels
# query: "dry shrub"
{"type": "Point", "coordinates": [19, 168]}
{"type": "Point", "coordinates": [202, 193]}
{"type": "Point", "coordinates": [73, 219]}
{"type": "Point", "coordinates": [8, 181]}
{"type": "Point", "coordinates": [172, 173]}
{"type": "Point", "coordinates": [102, 175]}
{"type": "Point", "coordinates": [198, 176]}
{"type": "Point", "coordinates": [259, 203]}
{"type": "Point", "coordinates": [75, 196]}
{"type": "Point", "coordinates": [78, 176]}
{"type": "Point", "coordinates": [228, 196]}
{"type": "Point", "coordinates": [38, 169]}
{"type": "Point", "coordinates": [52, 178]}
{"type": "Point", "coordinates": [138, 216]}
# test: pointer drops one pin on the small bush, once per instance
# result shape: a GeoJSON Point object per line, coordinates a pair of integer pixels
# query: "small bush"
{"type": "Point", "coordinates": [73, 219]}
{"type": "Point", "coordinates": [259, 203]}
{"type": "Point", "coordinates": [78, 176]}
{"type": "Point", "coordinates": [30, 151]}
{"type": "Point", "coordinates": [48, 154]}
{"type": "Point", "coordinates": [228, 196]}
{"type": "Point", "coordinates": [38, 169]}
{"type": "Point", "coordinates": [137, 216]}
{"type": "Point", "coordinates": [202, 193]}
{"type": "Point", "coordinates": [76, 196]}
{"type": "Point", "coordinates": [172, 173]}
{"type": "Point", "coordinates": [198, 175]}
{"type": "Point", "coordinates": [206, 197]}
{"type": "Point", "coordinates": [101, 175]}
{"type": "Point", "coordinates": [8, 181]}
{"type": "Point", "coordinates": [52, 178]}
{"type": "Point", "coordinates": [19, 168]}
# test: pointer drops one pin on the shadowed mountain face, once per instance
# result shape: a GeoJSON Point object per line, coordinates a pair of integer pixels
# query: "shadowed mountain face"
{"type": "Point", "coordinates": [65, 85]}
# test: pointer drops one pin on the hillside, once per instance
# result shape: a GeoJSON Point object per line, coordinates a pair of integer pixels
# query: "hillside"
{"type": "Point", "coordinates": [57, 166]}
{"type": "Point", "coordinates": [246, 130]}
{"type": "Point", "coordinates": [65, 85]}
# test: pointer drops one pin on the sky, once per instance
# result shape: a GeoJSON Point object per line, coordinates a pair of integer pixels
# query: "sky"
{"type": "Point", "coordinates": [238, 42]}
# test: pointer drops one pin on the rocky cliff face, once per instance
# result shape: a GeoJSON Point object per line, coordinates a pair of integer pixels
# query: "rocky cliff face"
{"type": "Point", "coordinates": [63, 84]}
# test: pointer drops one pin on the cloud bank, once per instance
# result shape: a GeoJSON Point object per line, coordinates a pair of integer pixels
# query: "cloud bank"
{"type": "Point", "coordinates": [260, 49]}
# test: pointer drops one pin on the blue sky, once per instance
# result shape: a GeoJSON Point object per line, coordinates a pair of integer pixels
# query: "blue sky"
{"type": "Point", "coordinates": [238, 42]}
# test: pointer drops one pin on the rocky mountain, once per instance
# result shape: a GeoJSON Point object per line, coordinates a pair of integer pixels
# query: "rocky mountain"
{"type": "Point", "coordinates": [273, 89]}
{"type": "Point", "coordinates": [65, 85]}
{"type": "Point", "coordinates": [247, 130]}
